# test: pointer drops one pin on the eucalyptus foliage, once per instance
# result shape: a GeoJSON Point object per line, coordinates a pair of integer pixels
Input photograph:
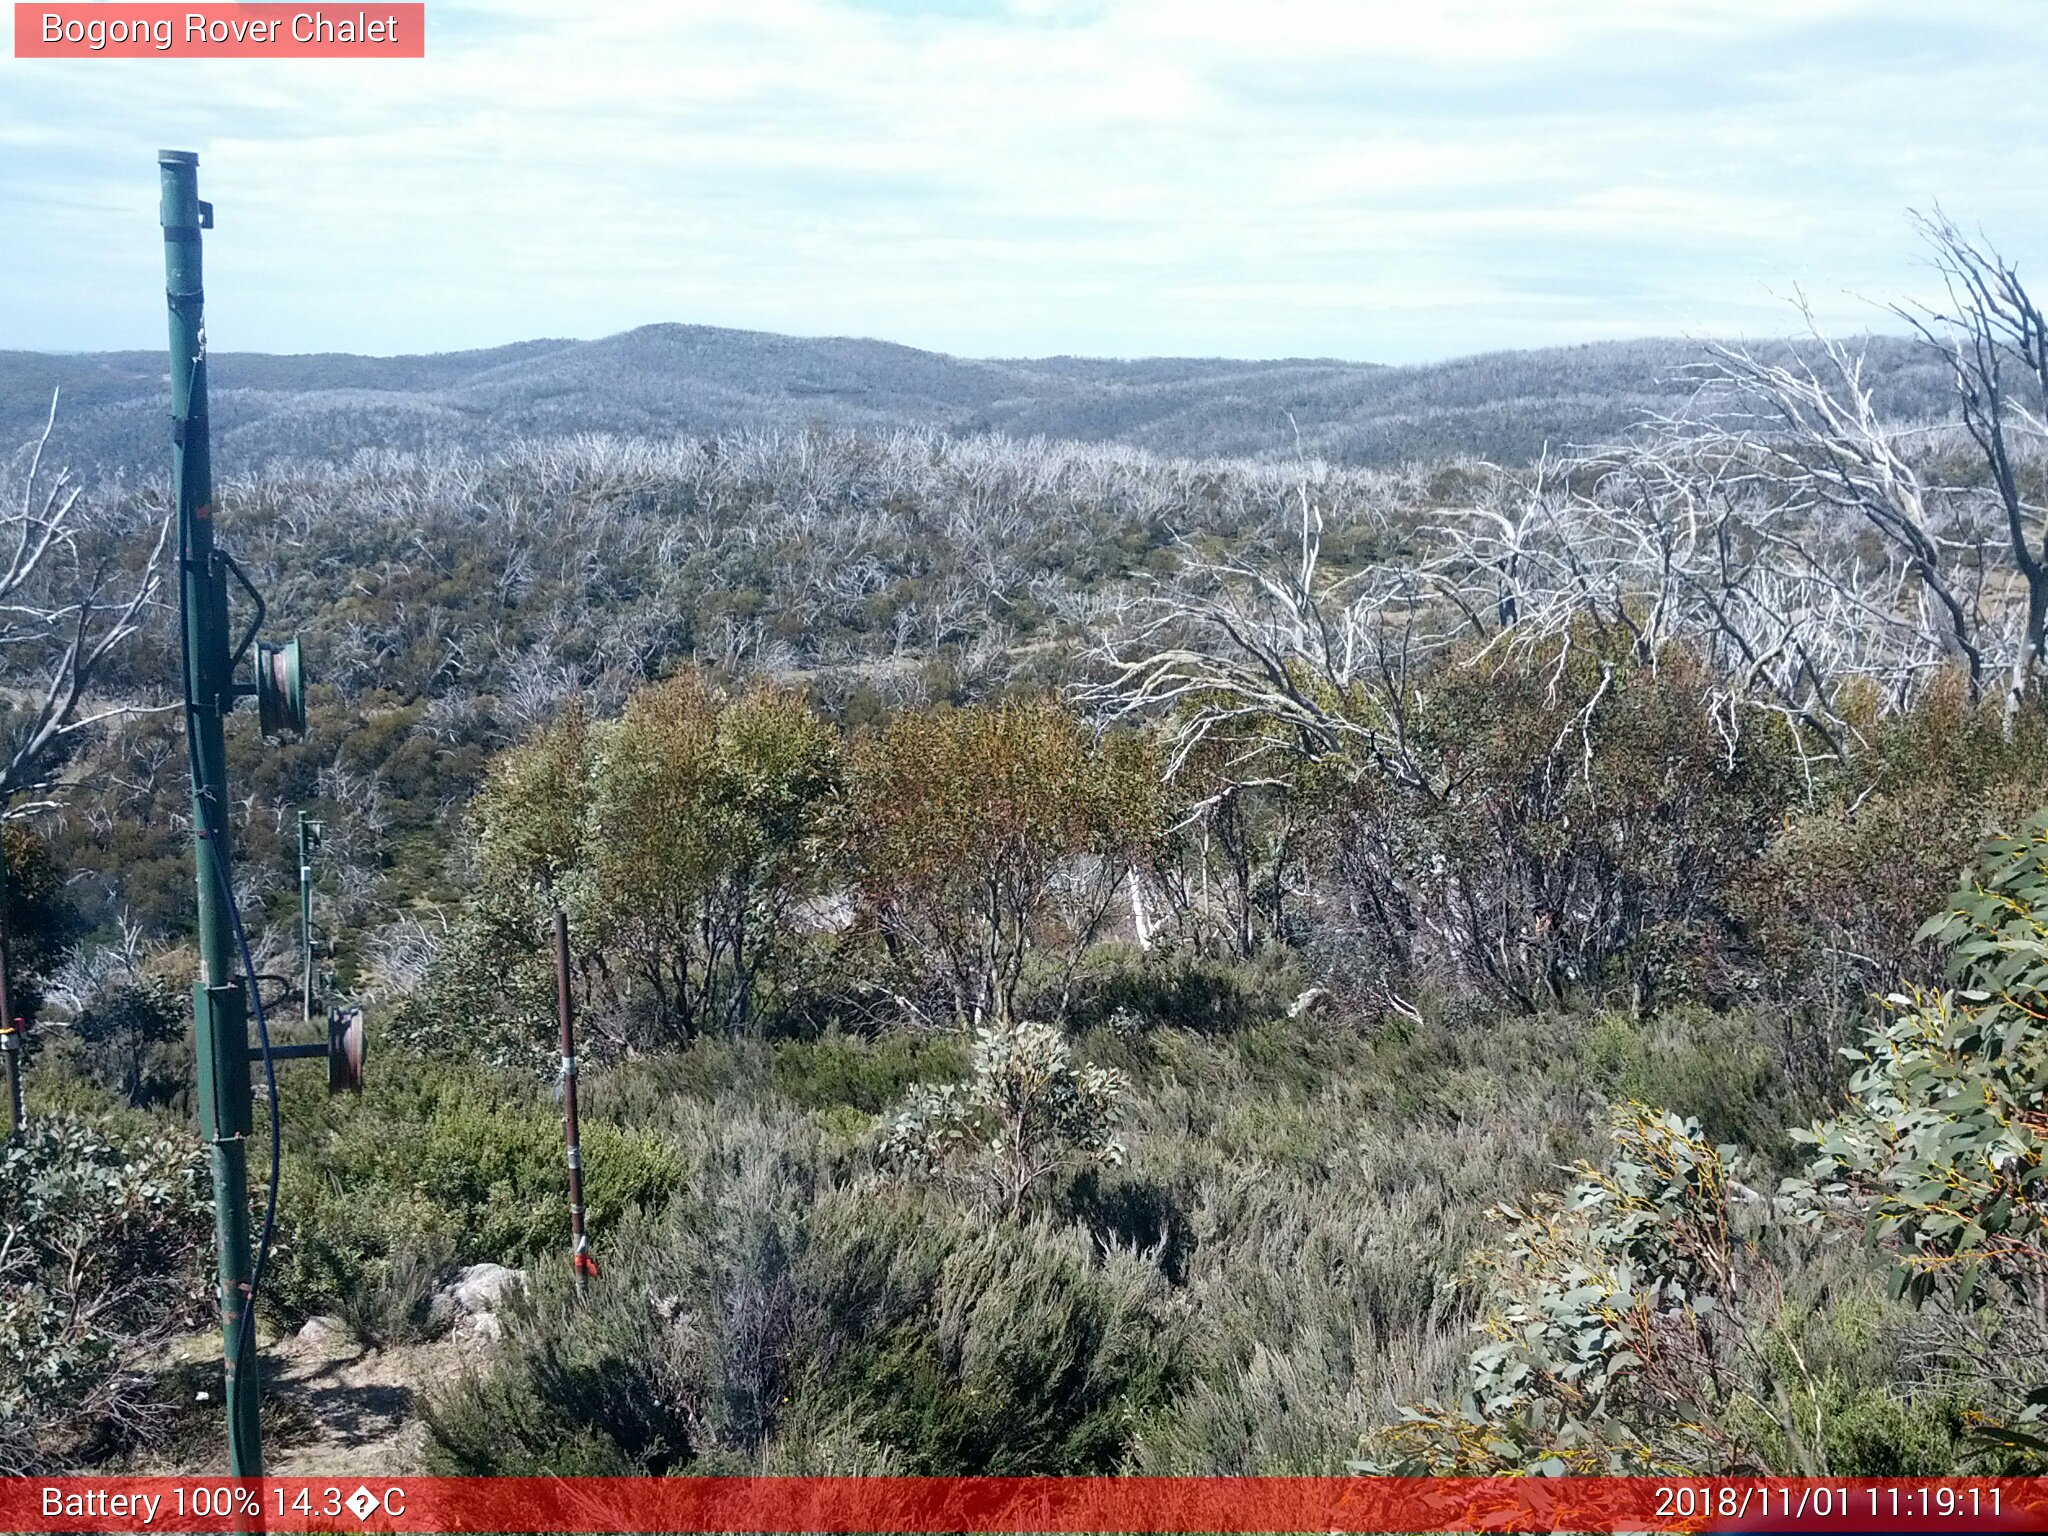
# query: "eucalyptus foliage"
{"type": "Point", "coordinates": [679, 838]}
{"type": "Point", "coordinates": [1945, 1146]}
{"type": "Point", "coordinates": [1028, 1111]}
{"type": "Point", "coordinates": [983, 835]}
{"type": "Point", "coordinates": [1615, 1320]}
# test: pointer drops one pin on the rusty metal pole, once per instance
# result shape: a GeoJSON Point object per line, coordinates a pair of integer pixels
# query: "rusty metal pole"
{"type": "Point", "coordinates": [580, 1260]}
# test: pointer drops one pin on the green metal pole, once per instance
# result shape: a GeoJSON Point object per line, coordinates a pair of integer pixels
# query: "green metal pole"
{"type": "Point", "coordinates": [219, 1006]}
{"type": "Point", "coordinates": [306, 916]}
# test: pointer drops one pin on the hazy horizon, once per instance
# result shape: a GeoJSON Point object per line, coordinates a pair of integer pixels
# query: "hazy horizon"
{"type": "Point", "coordinates": [1786, 333]}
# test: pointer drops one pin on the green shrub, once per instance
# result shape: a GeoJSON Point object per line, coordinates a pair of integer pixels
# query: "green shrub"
{"type": "Point", "coordinates": [388, 1298]}
{"type": "Point", "coordinates": [1850, 1406]}
{"type": "Point", "coordinates": [1714, 1067]}
{"type": "Point", "coordinates": [1622, 1323]}
{"type": "Point", "coordinates": [1032, 1359]}
{"type": "Point", "coordinates": [132, 1039]}
{"type": "Point", "coordinates": [435, 1161]}
{"type": "Point", "coordinates": [1567, 824]}
{"type": "Point", "coordinates": [575, 1394]}
{"type": "Point", "coordinates": [1832, 912]}
{"type": "Point", "coordinates": [985, 837]}
{"type": "Point", "coordinates": [868, 1075]}
{"type": "Point", "coordinates": [1025, 1114]}
{"type": "Point", "coordinates": [105, 1223]}
{"type": "Point", "coordinates": [1944, 1147]}
{"type": "Point", "coordinates": [488, 1000]}
{"type": "Point", "coordinates": [1180, 987]}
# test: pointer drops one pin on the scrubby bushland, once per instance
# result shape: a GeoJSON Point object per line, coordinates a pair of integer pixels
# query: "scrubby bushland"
{"type": "Point", "coordinates": [1666, 1314]}
{"type": "Point", "coordinates": [1626, 1322]}
{"type": "Point", "coordinates": [1291, 1216]}
{"type": "Point", "coordinates": [1270, 1268]}
{"type": "Point", "coordinates": [680, 839]}
{"type": "Point", "coordinates": [727, 861]}
{"type": "Point", "coordinates": [451, 602]}
{"type": "Point", "coordinates": [128, 1036]}
{"type": "Point", "coordinates": [790, 1315]}
{"type": "Point", "coordinates": [1833, 911]}
{"type": "Point", "coordinates": [1570, 825]}
{"type": "Point", "coordinates": [103, 1226]}
{"type": "Point", "coordinates": [1944, 1146]}
{"type": "Point", "coordinates": [1389, 830]}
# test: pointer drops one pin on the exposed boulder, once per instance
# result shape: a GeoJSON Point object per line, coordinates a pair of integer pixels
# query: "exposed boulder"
{"type": "Point", "coordinates": [469, 1303]}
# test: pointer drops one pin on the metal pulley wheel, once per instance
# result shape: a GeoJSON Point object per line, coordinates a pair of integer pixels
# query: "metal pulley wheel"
{"type": "Point", "coordinates": [280, 689]}
{"type": "Point", "coordinates": [345, 1035]}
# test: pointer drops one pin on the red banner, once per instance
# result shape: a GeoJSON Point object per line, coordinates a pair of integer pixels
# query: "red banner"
{"type": "Point", "coordinates": [150, 31]}
{"type": "Point", "coordinates": [1091, 1504]}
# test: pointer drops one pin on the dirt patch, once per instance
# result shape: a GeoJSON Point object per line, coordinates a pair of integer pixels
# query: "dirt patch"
{"type": "Point", "coordinates": [341, 1408]}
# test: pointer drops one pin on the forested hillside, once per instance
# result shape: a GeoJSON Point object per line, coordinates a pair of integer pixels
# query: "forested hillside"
{"type": "Point", "coordinates": [665, 379]}
{"type": "Point", "coordinates": [1089, 958]}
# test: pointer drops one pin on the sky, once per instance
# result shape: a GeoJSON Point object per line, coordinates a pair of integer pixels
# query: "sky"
{"type": "Point", "coordinates": [1380, 180]}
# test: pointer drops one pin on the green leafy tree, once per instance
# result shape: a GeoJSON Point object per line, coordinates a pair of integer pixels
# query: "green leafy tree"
{"type": "Point", "coordinates": [529, 815]}
{"type": "Point", "coordinates": [490, 993]}
{"type": "Point", "coordinates": [122, 1033]}
{"type": "Point", "coordinates": [707, 824]}
{"type": "Point", "coordinates": [986, 834]}
{"type": "Point", "coordinates": [679, 839]}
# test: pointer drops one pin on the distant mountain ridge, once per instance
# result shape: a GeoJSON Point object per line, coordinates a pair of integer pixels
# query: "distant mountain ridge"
{"type": "Point", "coordinates": [690, 379]}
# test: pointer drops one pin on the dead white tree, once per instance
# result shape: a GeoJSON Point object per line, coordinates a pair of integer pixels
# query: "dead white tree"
{"type": "Point", "coordinates": [1826, 471]}
{"type": "Point", "coordinates": [1283, 660]}
{"type": "Point", "coordinates": [1704, 540]}
{"type": "Point", "coordinates": [77, 581]}
{"type": "Point", "coordinates": [1814, 551]}
{"type": "Point", "coordinates": [1992, 336]}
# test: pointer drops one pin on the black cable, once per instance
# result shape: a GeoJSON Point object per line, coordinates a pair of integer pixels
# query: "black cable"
{"type": "Point", "coordinates": [211, 835]}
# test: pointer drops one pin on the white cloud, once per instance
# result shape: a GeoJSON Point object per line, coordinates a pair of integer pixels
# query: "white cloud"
{"type": "Point", "coordinates": [1351, 177]}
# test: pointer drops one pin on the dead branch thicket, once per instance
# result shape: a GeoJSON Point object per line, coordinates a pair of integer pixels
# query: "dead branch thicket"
{"type": "Point", "coordinates": [1813, 564]}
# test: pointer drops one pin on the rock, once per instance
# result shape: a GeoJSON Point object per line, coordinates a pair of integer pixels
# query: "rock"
{"type": "Point", "coordinates": [480, 1328]}
{"type": "Point", "coordinates": [326, 1333]}
{"type": "Point", "coordinates": [480, 1288]}
{"type": "Point", "coordinates": [484, 1287]}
